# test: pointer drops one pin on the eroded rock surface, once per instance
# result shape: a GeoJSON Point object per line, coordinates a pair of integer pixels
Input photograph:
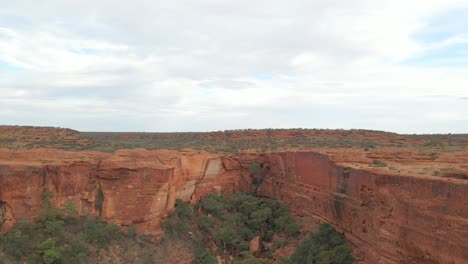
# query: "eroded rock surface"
{"type": "Point", "coordinates": [128, 187]}
{"type": "Point", "coordinates": [388, 216]}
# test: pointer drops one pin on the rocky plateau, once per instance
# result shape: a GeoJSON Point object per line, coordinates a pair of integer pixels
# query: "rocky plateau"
{"type": "Point", "coordinates": [394, 204]}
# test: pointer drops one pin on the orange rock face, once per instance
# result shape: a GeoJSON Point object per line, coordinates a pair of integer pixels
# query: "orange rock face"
{"type": "Point", "coordinates": [129, 187]}
{"type": "Point", "coordinates": [386, 218]}
{"type": "Point", "coordinates": [387, 215]}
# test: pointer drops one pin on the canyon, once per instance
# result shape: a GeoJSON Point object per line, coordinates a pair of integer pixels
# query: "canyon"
{"type": "Point", "coordinates": [399, 212]}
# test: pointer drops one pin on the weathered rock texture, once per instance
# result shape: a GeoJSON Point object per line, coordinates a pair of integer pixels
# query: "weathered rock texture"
{"type": "Point", "coordinates": [129, 187]}
{"type": "Point", "coordinates": [387, 218]}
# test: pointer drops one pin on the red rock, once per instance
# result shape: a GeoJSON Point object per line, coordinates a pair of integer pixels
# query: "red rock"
{"type": "Point", "coordinates": [256, 246]}
{"type": "Point", "coordinates": [387, 216]}
{"type": "Point", "coordinates": [137, 186]}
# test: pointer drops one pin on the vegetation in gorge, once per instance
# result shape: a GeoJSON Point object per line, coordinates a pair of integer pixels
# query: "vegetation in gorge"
{"type": "Point", "coordinates": [257, 173]}
{"type": "Point", "coordinates": [230, 222]}
{"type": "Point", "coordinates": [223, 226]}
{"type": "Point", "coordinates": [323, 247]}
{"type": "Point", "coordinates": [60, 236]}
{"type": "Point", "coordinates": [57, 236]}
{"type": "Point", "coordinates": [215, 227]}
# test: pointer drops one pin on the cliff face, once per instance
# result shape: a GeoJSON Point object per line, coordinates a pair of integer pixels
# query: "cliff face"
{"type": "Point", "coordinates": [128, 187]}
{"type": "Point", "coordinates": [387, 218]}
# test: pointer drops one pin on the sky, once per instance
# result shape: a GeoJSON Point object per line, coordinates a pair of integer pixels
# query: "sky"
{"type": "Point", "coordinates": [208, 65]}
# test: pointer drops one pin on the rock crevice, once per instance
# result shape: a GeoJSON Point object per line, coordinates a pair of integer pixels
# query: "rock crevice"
{"type": "Point", "coordinates": [387, 218]}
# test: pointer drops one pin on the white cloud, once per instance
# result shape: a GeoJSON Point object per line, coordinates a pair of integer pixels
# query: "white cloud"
{"type": "Point", "coordinates": [208, 65]}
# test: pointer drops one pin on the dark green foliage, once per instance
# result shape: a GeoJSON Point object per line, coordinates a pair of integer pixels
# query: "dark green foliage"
{"type": "Point", "coordinates": [285, 260]}
{"type": "Point", "coordinates": [47, 196]}
{"type": "Point", "coordinates": [203, 256]}
{"type": "Point", "coordinates": [257, 174]}
{"type": "Point", "coordinates": [206, 222]}
{"type": "Point", "coordinates": [378, 163]}
{"type": "Point", "coordinates": [184, 210]}
{"type": "Point", "coordinates": [323, 247]}
{"type": "Point", "coordinates": [57, 236]}
{"type": "Point", "coordinates": [174, 227]}
{"type": "Point", "coordinates": [18, 240]}
{"type": "Point", "coordinates": [99, 232]}
{"type": "Point", "coordinates": [70, 209]}
{"type": "Point", "coordinates": [255, 167]}
{"type": "Point", "coordinates": [230, 222]}
{"type": "Point", "coordinates": [213, 204]}
{"type": "Point", "coordinates": [286, 224]}
{"type": "Point", "coordinates": [49, 251]}
{"type": "Point", "coordinates": [247, 258]}
{"type": "Point", "coordinates": [131, 231]}
{"type": "Point", "coordinates": [75, 249]}
{"type": "Point", "coordinates": [99, 200]}
{"type": "Point", "coordinates": [227, 237]}
{"type": "Point", "coordinates": [251, 260]}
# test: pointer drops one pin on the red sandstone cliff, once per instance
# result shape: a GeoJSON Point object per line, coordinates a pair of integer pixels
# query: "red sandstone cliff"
{"type": "Point", "coordinates": [387, 218]}
{"type": "Point", "coordinates": [135, 186]}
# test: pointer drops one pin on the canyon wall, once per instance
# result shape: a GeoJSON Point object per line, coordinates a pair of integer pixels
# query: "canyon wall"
{"type": "Point", "coordinates": [386, 218]}
{"type": "Point", "coordinates": [128, 187]}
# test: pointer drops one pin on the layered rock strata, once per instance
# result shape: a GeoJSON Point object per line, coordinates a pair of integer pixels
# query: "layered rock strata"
{"type": "Point", "coordinates": [128, 187]}
{"type": "Point", "coordinates": [388, 218]}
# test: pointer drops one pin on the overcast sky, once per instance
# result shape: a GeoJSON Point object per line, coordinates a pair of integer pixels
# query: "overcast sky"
{"type": "Point", "coordinates": [203, 65]}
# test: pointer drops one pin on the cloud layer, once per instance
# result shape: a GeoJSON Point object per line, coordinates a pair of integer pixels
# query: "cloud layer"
{"type": "Point", "coordinates": [211, 65]}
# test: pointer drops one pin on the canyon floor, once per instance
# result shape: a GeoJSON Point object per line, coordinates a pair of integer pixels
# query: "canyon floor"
{"type": "Point", "coordinates": [396, 198]}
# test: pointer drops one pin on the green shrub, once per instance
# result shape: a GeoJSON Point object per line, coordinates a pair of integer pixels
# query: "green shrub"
{"type": "Point", "coordinates": [131, 231]}
{"type": "Point", "coordinates": [47, 196]}
{"type": "Point", "coordinates": [378, 163]}
{"type": "Point", "coordinates": [184, 210]}
{"type": "Point", "coordinates": [206, 222]}
{"type": "Point", "coordinates": [70, 209]}
{"type": "Point", "coordinates": [99, 200]}
{"type": "Point", "coordinates": [325, 246]}
{"type": "Point", "coordinates": [213, 204]}
{"type": "Point", "coordinates": [232, 221]}
{"type": "Point", "coordinates": [227, 237]}
{"type": "Point", "coordinates": [99, 232]}
{"type": "Point", "coordinates": [286, 224]}
{"type": "Point", "coordinates": [75, 249]}
{"type": "Point", "coordinates": [203, 256]}
{"type": "Point", "coordinates": [20, 240]}
{"type": "Point", "coordinates": [251, 260]}
{"type": "Point", "coordinates": [260, 219]}
{"type": "Point", "coordinates": [49, 251]}
{"type": "Point", "coordinates": [257, 173]}
{"type": "Point", "coordinates": [174, 227]}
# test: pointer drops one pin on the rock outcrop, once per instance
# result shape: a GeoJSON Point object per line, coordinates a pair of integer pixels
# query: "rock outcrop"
{"type": "Point", "coordinates": [128, 187]}
{"type": "Point", "coordinates": [388, 217]}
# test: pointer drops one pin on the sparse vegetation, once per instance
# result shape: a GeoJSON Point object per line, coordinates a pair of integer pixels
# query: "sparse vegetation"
{"type": "Point", "coordinates": [229, 141]}
{"type": "Point", "coordinates": [446, 169]}
{"type": "Point", "coordinates": [99, 200]}
{"type": "Point", "coordinates": [257, 173]}
{"type": "Point", "coordinates": [230, 222]}
{"type": "Point", "coordinates": [322, 247]}
{"type": "Point", "coordinates": [378, 163]}
{"type": "Point", "coordinates": [59, 236]}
